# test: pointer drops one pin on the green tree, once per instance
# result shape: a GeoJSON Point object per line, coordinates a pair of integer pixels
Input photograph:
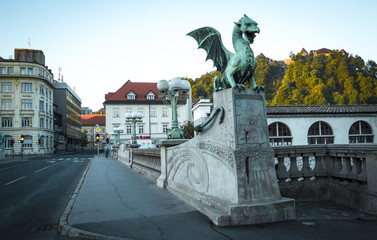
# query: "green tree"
{"type": "Point", "coordinates": [188, 130]}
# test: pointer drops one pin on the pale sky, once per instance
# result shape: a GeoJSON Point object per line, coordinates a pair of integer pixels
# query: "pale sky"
{"type": "Point", "coordinates": [101, 44]}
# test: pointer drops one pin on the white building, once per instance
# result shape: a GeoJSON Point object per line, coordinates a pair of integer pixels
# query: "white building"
{"type": "Point", "coordinates": [140, 97]}
{"type": "Point", "coordinates": [26, 103]}
{"type": "Point", "coordinates": [335, 124]}
{"type": "Point", "coordinates": [303, 125]}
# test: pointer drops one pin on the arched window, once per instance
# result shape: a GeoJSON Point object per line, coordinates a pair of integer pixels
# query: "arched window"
{"type": "Point", "coordinates": [320, 133]}
{"type": "Point", "coordinates": [279, 134]}
{"type": "Point", "coordinates": [360, 132]}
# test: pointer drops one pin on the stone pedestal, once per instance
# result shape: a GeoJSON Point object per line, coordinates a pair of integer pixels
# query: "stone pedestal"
{"type": "Point", "coordinates": [227, 172]}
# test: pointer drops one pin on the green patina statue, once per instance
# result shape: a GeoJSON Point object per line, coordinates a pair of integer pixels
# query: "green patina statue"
{"type": "Point", "coordinates": [237, 68]}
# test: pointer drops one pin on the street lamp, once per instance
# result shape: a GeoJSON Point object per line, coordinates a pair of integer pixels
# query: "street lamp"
{"type": "Point", "coordinates": [171, 92]}
{"type": "Point", "coordinates": [134, 118]}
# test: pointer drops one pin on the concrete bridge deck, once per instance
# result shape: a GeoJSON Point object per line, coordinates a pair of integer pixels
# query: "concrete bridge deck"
{"type": "Point", "coordinates": [115, 202]}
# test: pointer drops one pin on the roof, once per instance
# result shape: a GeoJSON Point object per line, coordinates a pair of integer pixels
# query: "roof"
{"type": "Point", "coordinates": [324, 109]}
{"type": "Point", "coordinates": [140, 89]}
{"type": "Point", "coordinates": [93, 119]}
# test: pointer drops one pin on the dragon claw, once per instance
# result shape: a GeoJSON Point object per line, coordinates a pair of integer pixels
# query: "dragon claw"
{"type": "Point", "coordinates": [259, 88]}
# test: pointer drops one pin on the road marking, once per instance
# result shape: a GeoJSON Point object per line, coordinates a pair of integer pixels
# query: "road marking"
{"type": "Point", "coordinates": [18, 179]}
{"type": "Point", "coordinates": [40, 170]}
{"type": "Point", "coordinates": [50, 161]}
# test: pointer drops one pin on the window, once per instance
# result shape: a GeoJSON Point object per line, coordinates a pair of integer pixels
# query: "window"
{"type": "Point", "coordinates": [152, 112]}
{"type": "Point", "coordinates": [41, 106]}
{"type": "Point", "coordinates": [26, 104]}
{"type": "Point", "coordinates": [40, 72]}
{"type": "Point", "coordinates": [26, 87]}
{"type": "Point", "coordinates": [164, 111]}
{"type": "Point", "coordinates": [10, 70]}
{"type": "Point", "coordinates": [131, 96]}
{"type": "Point", "coordinates": [164, 128]}
{"type": "Point", "coordinates": [6, 104]}
{"type": "Point", "coordinates": [141, 129]}
{"type": "Point", "coordinates": [6, 87]}
{"type": "Point", "coordinates": [8, 141]}
{"type": "Point", "coordinates": [30, 71]}
{"type": "Point", "coordinates": [116, 112]}
{"type": "Point", "coordinates": [28, 142]}
{"type": "Point", "coordinates": [320, 133]}
{"type": "Point", "coordinates": [128, 129]}
{"type": "Point", "coordinates": [49, 94]}
{"type": "Point", "coordinates": [6, 122]}
{"type": "Point", "coordinates": [3, 70]}
{"type": "Point", "coordinates": [140, 110]}
{"type": "Point", "coordinates": [150, 96]}
{"type": "Point", "coordinates": [41, 122]}
{"type": "Point", "coordinates": [26, 122]}
{"type": "Point", "coordinates": [361, 132]}
{"type": "Point", "coordinates": [41, 141]}
{"type": "Point", "coordinates": [279, 134]}
{"type": "Point", "coordinates": [23, 71]}
{"type": "Point", "coordinates": [128, 110]}
{"type": "Point", "coordinates": [41, 89]}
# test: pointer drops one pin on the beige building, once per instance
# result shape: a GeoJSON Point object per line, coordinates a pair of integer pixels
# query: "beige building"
{"type": "Point", "coordinates": [26, 103]}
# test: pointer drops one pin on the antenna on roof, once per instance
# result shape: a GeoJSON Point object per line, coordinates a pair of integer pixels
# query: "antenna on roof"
{"type": "Point", "coordinates": [60, 74]}
{"type": "Point", "coordinates": [28, 42]}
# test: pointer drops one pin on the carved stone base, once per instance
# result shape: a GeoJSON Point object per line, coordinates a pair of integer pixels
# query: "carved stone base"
{"type": "Point", "coordinates": [227, 172]}
{"type": "Point", "coordinates": [243, 214]}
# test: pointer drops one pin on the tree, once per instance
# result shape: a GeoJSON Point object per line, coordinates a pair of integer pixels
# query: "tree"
{"type": "Point", "coordinates": [188, 130]}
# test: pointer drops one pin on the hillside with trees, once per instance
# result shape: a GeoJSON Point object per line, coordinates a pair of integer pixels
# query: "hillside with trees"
{"type": "Point", "coordinates": [335, 78]}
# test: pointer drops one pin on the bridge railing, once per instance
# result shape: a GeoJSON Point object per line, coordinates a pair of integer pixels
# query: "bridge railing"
{"type": "Point", "coordinates": [343, 173]}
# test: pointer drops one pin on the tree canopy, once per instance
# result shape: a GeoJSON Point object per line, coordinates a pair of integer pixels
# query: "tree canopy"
{"type": "Point", "coordinates": [314, 79]}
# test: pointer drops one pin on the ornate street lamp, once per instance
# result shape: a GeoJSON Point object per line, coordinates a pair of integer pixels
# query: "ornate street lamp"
{"type": "Point", "coordinates": [134, 118]}
{"type": "Point", "coordinates": [171, 92]}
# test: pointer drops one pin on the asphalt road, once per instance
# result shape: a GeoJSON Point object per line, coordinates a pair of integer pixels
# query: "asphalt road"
{"type": "Point", "coordinates": [34, 194]}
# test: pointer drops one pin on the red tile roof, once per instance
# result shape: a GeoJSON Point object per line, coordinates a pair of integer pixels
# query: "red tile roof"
{"type": "Point", "coordinates": [93, 119]}
{"type": "Point", "coordinates": [141, 89]}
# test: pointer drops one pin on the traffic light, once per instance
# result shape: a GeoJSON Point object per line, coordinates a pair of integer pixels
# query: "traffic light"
{"type": "Point", "coordinates": [12, 142]}
{"type": "Point", "coordinates": [39, 141]}
{"type": "Point", "coordinates": [22, 139]}
{"type": "Point", "coordinates": [107, 140]}
{"type": "Point", "coordinates": [97, 137]}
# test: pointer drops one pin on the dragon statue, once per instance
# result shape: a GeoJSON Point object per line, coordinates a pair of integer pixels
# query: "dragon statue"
{"type": "Point", "coordinates": [237, 68]}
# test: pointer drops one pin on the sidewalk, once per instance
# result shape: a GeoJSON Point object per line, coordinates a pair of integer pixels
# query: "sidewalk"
{"type": "Point", "coordinates": [115, 202]}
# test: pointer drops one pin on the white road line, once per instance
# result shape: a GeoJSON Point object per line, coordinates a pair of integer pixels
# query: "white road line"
{"type": "Point", "coordinates": [40, 170]}
{"type": "Point", "coordinates": [18, 179]}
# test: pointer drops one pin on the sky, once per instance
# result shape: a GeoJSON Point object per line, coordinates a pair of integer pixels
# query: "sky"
{"type": "Point", "coordinates": [99, 45]}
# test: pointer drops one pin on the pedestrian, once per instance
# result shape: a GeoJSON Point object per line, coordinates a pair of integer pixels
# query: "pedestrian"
{"type": "Point", "coordinates": [106, 151]}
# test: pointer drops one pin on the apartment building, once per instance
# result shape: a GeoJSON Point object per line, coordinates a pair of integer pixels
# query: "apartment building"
{"type": "Point", "coordinates": [26, 97]}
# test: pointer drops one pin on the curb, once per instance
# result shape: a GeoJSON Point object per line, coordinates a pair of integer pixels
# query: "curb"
{"type": "Point", "coordinates": [67, 230]}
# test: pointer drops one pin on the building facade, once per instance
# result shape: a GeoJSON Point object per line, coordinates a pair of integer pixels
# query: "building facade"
{"type": "Point", "coordinates": [331, 124]}
{"type": "Point", "coordinates": [69, 106]}
{"type": "Point", "coordinates": [141, 97]}
{"type": "Point", "coordinates": [310, 125]}
{"type": "Point", "coordinates": [27, 94]}
{"type": "Point", "coordinates": [89, 124]}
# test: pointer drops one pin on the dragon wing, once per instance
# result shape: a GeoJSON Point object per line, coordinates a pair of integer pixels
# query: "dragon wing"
{"type": "Point", "coordinates": [210, 40]}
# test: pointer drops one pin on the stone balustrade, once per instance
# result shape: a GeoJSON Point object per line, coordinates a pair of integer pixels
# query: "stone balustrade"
{"type": "Point", "coordinates": [342, 173]}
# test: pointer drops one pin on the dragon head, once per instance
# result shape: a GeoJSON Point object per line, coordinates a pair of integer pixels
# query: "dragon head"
{"type": "Point", "coordinates": [248, 27]}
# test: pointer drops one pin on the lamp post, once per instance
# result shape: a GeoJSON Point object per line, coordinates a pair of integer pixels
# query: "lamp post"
{"type": "Point", "coordinates": [173, 91]}
{"type": "Point", "coordinates": [134, 118]}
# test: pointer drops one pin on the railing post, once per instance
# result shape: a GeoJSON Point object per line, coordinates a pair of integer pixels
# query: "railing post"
{"type": "Point", "coordinates": [371, 165]}
{"type": "Point", "coordinates": [161, 181]}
